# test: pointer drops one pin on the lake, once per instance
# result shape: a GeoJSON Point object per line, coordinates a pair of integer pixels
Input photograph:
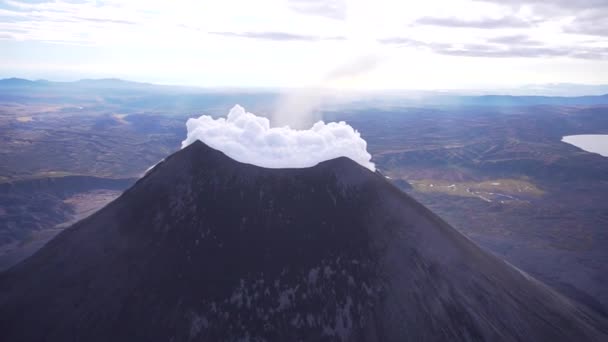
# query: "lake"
{"type": "Point", "coordinates": [595, 143]}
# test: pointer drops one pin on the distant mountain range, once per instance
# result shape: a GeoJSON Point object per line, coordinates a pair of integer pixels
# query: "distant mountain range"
{"type": "Point", "coordinates": [18, 87]}
{"type": "Point", "coordinates": [22, 82]}
{"type": "Point", "coordinates": [510, 100]}
{"type": "Point", "coordinates": [131, 95]}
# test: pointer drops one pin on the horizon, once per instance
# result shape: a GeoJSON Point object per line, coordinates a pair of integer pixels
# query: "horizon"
{"type": "Point", "coordinates": [532, 90]}
{"type": "Point", "coordinates": [343, 44]}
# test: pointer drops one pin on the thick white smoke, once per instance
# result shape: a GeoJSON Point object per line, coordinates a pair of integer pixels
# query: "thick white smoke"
{"type": "Point", "coordinates": [248, 138]}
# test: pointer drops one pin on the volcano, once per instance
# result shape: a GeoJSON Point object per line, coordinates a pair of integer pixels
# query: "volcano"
{"type": "Point", "coordinates": [204, 248]}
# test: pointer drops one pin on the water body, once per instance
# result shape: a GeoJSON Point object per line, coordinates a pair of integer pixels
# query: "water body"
{"type": "Point", "coordinates": [594, 143]}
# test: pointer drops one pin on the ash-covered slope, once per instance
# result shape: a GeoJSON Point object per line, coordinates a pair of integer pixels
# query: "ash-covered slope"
{"type": "Point", "coordinates": [204, 248]}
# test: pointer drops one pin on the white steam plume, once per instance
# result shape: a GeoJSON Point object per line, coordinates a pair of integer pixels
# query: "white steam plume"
{"type": "Point", "coordinates": [248, 138]}
{"type": "Point", "coordinates": [300, 108]}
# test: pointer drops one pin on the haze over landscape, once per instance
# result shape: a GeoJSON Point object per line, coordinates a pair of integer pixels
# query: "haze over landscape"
{"type": "Point", "coordinates": [303, 170]}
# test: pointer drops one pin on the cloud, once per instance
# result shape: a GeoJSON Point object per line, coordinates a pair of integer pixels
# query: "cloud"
{"type": "Point", "coordinates": [69, 22]}
{"type": "Point", "coordinates": [484, 23]}
{"type": "Point", "coordinates": [587, 16]}
{"type": "Point", "coordinates": [592, 23]}
{"type": "Point", "coordinates": [519, 39]}
{"type": "Point", "coordinates": [399, 41]}
{"type": "Point", "coordinates": [414, 43]}
{"type": "Point", "coordinates": [565, 4]}
{"type": "Point", "coordinates": [513, 46]}
{"type": "Point", "coordinates": [333, 9]}
{"type": "Point", "coordinates": [170, 42]}
{"type": "Point", "coordinates": [248, 138]}
{"type": "Point", "coordinates": [277, 36]}
{"type": "Point", "coordinates": [493, 51]}
{"type": "Point", "coordinates": [108, 21]}
{"type": "Point", "coordinates": [497, 51]}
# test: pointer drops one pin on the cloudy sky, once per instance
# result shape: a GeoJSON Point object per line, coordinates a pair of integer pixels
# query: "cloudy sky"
{"type": "Point", "coordinates": [361, 44]}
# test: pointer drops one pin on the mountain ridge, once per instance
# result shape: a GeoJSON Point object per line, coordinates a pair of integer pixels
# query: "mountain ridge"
{"type": "Point", "coordinates": [431, 97]}
{"type": "Point", "coordinates": [206, 248]}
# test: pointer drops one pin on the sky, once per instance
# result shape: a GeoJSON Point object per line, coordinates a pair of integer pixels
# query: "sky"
{"type": "Point", "coordinates": [342, 44]}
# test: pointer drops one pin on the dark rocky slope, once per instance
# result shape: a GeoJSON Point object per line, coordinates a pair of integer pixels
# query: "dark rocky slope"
{"type": "Point", "coordinates": [206, 248]}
